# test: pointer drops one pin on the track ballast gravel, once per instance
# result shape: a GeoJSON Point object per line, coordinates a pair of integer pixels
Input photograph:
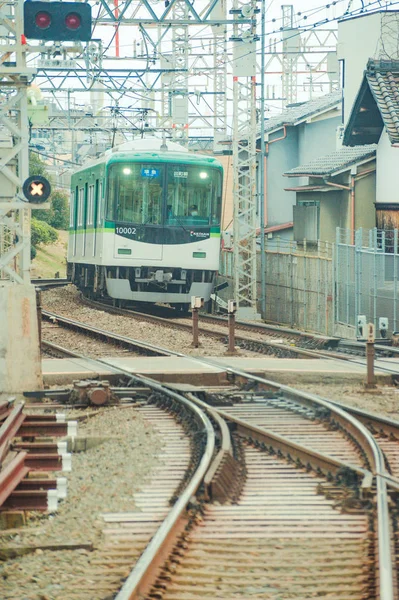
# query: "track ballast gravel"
{"type": "Point", "coordinates": [103, 479]}
{"type": "Point", "coordinates": [66, 302]}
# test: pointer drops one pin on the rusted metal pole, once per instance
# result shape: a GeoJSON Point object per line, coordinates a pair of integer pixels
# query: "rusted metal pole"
{"type": "Point", "coordinates": [232, 326]}
{"type": "Point", "coordinates": [195, 327]}
{"type": "Point", "coordinates": [370, 354]}
{"type": "Point", "coordinates": [39, 315]}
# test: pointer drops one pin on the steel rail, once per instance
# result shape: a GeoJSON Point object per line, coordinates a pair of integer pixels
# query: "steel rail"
{"type": "Point", "coordinates": [170, 323]}
{"type": "Point", "coordinates": [259, 327]}
{"type": "Point", "coordinates": [359, 431]}
{"type": "Point", "coordinates": [385, 560]}
{"type": "Point", "coordinates": [46, 284]}
{"type": "Point", "coordinates": [139, 345]}
{"type": "Point", "coordinates": [152, 558]}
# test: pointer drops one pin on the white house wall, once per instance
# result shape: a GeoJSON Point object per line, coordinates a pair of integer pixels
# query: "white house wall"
{"type": "Point", "coordinates": [360, 39]}
{"type": "Point", "coordinates": [387, 171]}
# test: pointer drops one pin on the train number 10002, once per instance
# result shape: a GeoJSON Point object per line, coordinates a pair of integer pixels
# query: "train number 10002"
{"type": "Point", "coordinates": [125, 230]}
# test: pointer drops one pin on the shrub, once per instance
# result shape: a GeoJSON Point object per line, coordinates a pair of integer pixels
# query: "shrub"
{"type": "Point", "coordinates": [42, 233]}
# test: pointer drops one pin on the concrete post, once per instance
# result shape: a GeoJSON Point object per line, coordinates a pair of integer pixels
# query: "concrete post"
{"type": "Point", "coordinates": [20, 362]}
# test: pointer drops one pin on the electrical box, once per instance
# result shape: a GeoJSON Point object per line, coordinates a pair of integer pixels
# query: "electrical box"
{"type": "Point", "coordinates": [197, 302]}
{"type": "Point", "coordinates": [231, 306]}
{"type": "Point", "coordinates": [383, 326]}
{"type": "Point", "coordinates": [227, 238]}
{"type": "Point", "coordinates": [361, 326]}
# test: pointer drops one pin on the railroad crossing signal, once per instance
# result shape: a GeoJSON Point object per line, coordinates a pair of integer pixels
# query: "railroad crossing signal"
{"type": "Point", "coordinates": [57, 21]}
{"type": "Point", "coordinates": [36, 189]}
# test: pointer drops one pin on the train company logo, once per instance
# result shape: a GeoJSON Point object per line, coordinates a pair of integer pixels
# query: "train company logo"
{"type": "Point", "coordinates": [199, 234]}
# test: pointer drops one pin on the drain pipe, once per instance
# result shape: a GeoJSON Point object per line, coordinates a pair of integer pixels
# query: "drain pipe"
{"type": "Point", "coordinates": [352, 209]}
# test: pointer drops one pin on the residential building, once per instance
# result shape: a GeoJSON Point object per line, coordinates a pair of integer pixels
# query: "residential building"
{"type": "Point", "coordinates": [335, 190]}
{"type": "Point", "coordinates": [375, 119]}
{"type": "Point", "coordinates": [292, 138]}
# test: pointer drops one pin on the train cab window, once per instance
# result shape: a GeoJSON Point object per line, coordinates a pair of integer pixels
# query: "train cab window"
{"type": "Point", "coordinates": [193, 196]}
{"type": "Point", "coordinates": [135, 192]}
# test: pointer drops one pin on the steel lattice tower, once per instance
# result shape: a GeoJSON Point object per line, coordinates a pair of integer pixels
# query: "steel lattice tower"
{"type": "Point", "coordinates": [14, 162]}
{"type": "Point", "coordinates": [244, 159]}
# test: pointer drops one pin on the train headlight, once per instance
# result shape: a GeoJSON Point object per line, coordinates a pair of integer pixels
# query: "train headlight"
{"type": "Point", "coordinates": [203, 175]}
{"type": "Point", "coordinates": [126, 171]}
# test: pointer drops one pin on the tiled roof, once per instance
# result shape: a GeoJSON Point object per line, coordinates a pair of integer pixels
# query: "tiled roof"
{"type": "Point", "coordinates": [296, 114]}
{"type": "Point", "coordinates": [334, 162]}
{"type": "Point", "coordinates": [376, 105]}
{"type": "Point", "coordinates": [383, 79]}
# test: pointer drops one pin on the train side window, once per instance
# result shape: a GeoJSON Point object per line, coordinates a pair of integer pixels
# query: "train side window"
{"type": "Point", "coordinates": [111, 193]}
{"type": "Point", "coordinates": [96, 204]}
{"type": "Point", "coordinates": [81, 206]}
{"type": "Point", "coordinates": [90, 205]}
{"type": "Point", "coordinates": [72, 210]}
{"type": "Point", "coordinates": [85, 202]}
{"type": "Point", "coordinates": [100, 203]}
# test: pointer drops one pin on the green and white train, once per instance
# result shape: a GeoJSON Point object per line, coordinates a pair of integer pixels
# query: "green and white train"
{"type": "Point", "coordinates": [145, 224]}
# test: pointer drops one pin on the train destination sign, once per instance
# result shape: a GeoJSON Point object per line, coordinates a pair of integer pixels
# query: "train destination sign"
{"type": "Point", "coordinates": [36, 189]}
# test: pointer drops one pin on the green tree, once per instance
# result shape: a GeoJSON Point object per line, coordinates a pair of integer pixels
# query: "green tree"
{"type": "Point", "coordinates": [42, 233]}
{"type": "Point", "coordinates": [37, 166]}
{"type": "Point", "coordinates": [59, 212]}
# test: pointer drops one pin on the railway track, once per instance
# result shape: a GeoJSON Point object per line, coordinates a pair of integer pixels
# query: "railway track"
{"type": "Point", "coordinates": [298, 344]}
{"type": "Point", "coordinates": [336, 463]}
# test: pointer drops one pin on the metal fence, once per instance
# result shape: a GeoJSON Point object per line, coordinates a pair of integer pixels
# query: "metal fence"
{"type": "Point", "coordinates": [366, 277]}
{"type": "Point", "coordinates": [325, 287]}
{"type": "Point", "coordinates": [298, 284]}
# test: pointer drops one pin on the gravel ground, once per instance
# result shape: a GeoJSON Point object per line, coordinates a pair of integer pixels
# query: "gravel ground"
{"type": "Point", "coordinates": [81, 343]}
{"type": "Point", "coordinates": [103, 479]}
{"type": "Point", "coordinates": [383, 401]}
{"type": "Point", "coordinates": [65, 301]}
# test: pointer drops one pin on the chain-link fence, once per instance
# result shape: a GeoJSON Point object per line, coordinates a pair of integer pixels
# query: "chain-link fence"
{"type": "Point", "coordinates": [366, 276]}
{"type": "Point", "coordinates": [325, 287]}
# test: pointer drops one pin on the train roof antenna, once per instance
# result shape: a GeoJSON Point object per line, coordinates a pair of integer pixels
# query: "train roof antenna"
{"type": "Point", "coordinates": [164, 146]}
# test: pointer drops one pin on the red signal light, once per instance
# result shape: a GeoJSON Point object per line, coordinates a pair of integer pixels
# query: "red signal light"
{"type": "Point", "coordinates": [43, 20]}
{"type": "Point", "coordinates": [73, 21]}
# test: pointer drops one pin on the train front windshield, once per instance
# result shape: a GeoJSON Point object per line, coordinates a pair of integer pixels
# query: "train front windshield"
{"type": "Point", "coordinates": [168, 194]}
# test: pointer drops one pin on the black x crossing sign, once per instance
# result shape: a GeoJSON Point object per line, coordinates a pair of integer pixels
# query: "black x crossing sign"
{"type": "Point", "coordinates": [36, 189]}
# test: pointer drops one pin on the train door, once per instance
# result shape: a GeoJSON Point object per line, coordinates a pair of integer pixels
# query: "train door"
{"type": "Point", "coordinates": [85, 203]}
{"type": "Point", "coordinates": [79, 221]}
{"type": "Point", "coordinates": [73, 219]}
{"type": "Point", "coordinates": [90, 221]}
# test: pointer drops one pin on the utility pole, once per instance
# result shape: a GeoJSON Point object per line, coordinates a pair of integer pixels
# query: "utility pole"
{"type": "Point", "coordinates": [244, 159]}
{"type": "Point", "coordinates": [180, 53]}
{"type": "Point", "coordinates": [220, 61]}
{"type": "Point", "coordinates": [262, 159]}
{"type": "Point", "coordinates": [291, 48]}
{"type": "Point", "coordinates": [19, 330]}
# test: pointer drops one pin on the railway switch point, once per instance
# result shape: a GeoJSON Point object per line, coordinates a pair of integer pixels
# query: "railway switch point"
{"type": "Point", "coordinates": [19, 340]}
